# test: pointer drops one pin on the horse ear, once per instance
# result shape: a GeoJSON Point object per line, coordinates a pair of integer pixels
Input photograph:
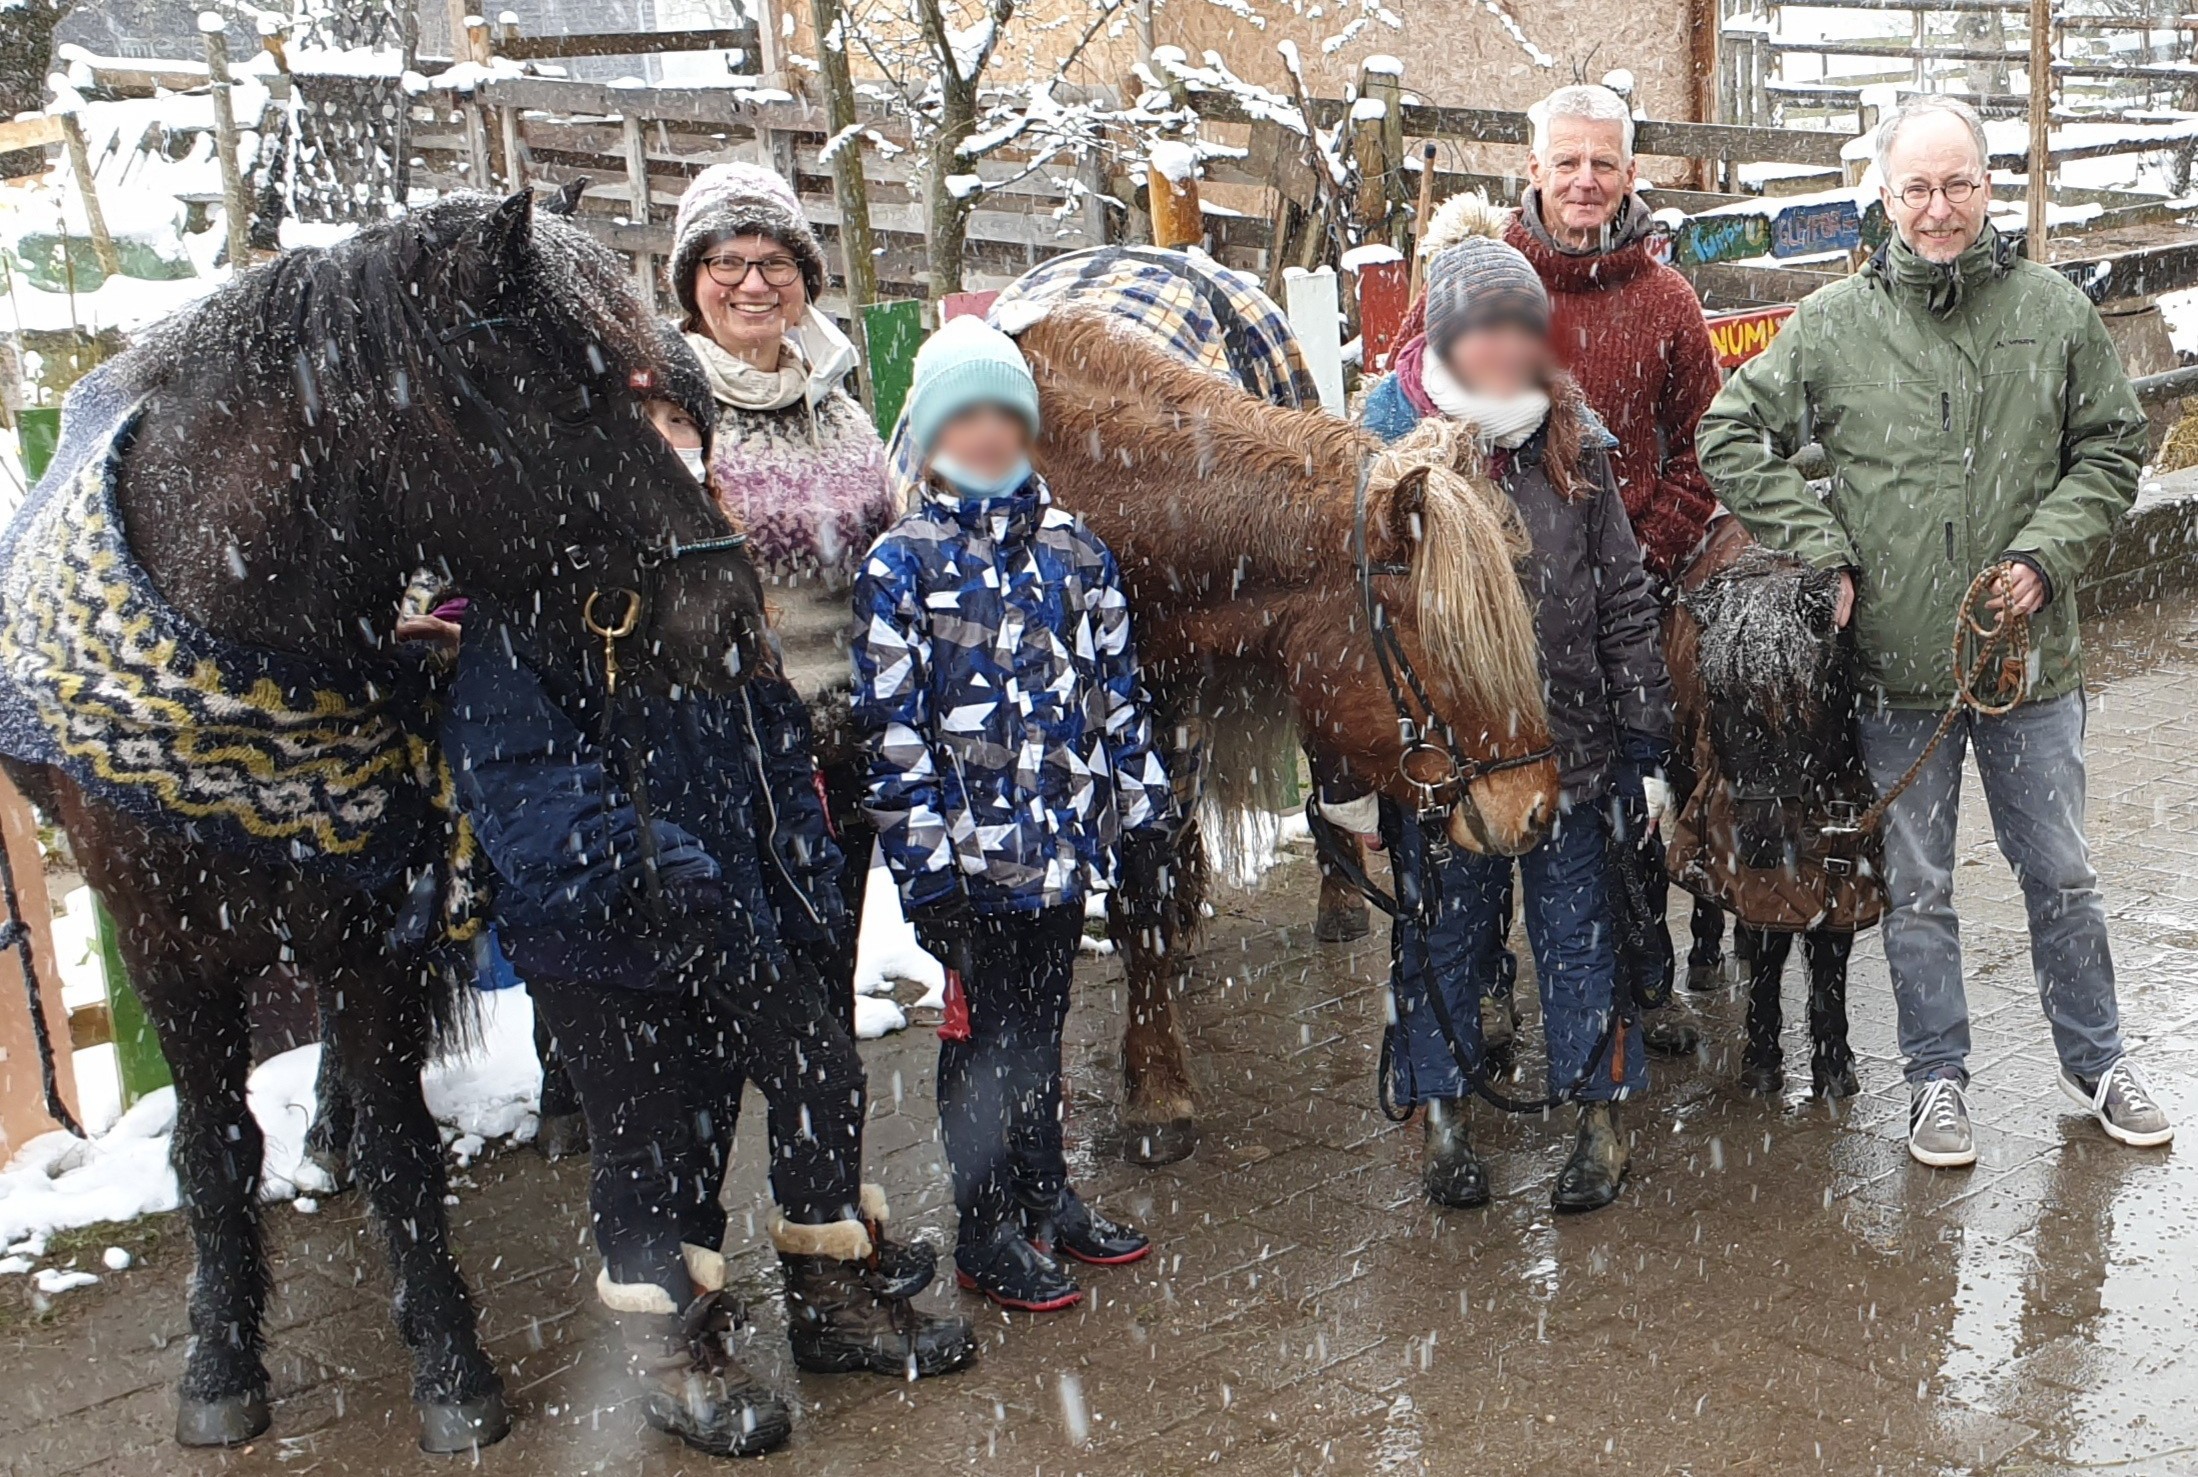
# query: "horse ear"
{"type": "Point", "coordinates": [507, 234]}
{"type": "Point", "coordinates": [1402, 514]}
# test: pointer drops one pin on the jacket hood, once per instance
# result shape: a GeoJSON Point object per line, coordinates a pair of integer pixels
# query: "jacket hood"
{"type": "Point", "coordinates": [1022, 508]}
{"type": "Point", "coordinates": [1622, 256]}
{"type": "Point", "coordinates": [1941, 286]}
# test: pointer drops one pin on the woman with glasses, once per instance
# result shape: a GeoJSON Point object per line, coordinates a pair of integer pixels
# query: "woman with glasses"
{"type": "Point", "coordinates": [794, 458]}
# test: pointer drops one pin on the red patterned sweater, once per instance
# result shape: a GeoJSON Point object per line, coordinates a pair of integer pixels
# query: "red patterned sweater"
{"type": "Point", "coordinates": [1630, 330]}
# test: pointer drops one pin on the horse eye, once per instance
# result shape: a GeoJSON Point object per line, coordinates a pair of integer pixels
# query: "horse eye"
{"type": "Point", "coordinates": [574, 408]}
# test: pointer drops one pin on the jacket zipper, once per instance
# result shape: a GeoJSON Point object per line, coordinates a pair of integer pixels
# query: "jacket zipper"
{"type": "Point", "coordinates": [770, 806]}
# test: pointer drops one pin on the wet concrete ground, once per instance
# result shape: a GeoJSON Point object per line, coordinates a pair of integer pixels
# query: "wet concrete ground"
{"type": "Point", "coordinates": [1781, 1289]}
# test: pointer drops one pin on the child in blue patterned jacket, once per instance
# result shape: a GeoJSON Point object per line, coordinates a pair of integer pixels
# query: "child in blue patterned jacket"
{"type": "Point", "coordinates": [1011, 760]}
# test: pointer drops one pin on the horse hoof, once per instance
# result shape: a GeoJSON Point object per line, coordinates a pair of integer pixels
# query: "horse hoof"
{"type": "Point", "coordinates": [323, 1172]}
{"type": "Point", "coordinates": [1154, 1144]}
{"type": "Point", "coordinates": [1706, 979]}
{"type": "Point", "coordinates": [561, 1136]}
{"type": "Point", "coordinates": [452, 1426]}
{"type": "Point", "coordinates": [1342, 925]}
{"type": "Point", "coordinates": [230, 1420]}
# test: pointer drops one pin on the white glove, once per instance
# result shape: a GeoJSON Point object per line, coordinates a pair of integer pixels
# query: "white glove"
{"type": "Point", "coordinates": [1361, 816]}
{"type": "Point", "coordinates": [1656, 790]}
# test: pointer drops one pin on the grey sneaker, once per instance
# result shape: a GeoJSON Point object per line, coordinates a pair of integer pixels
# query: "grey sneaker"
{"type": "Point", "coordinates": [1938, 1126]}
{"type": "Point", "coordinates": [2123, 1103]}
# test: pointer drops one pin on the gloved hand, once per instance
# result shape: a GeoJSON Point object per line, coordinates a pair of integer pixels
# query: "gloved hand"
{"type": "Point", "coordinates": [1656, 791]}
{"type": "Point", "coordinates": [945, 924]}
{"type": "Point", "coordinates": [1148, 876]}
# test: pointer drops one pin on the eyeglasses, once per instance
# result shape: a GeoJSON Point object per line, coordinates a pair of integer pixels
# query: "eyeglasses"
{"type": "Point", "coordinates": [1957, 192]}
{"type": "Point", "coordinates": [732, 269]}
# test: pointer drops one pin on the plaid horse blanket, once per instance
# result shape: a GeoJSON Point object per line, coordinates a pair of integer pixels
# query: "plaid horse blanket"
{"type": "Point", "coordinates": [257, 752]}
{"type": "Point", "coordinates": [1199, 311]}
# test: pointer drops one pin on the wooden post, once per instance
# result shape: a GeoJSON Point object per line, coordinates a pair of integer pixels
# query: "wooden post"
{"type": "Point", "coordinates": [1377, 146]}
{"type": "Point", "coordinates": [507, 117]}
{"type": "Point", "coordinates": [1314, 313]}
{"type": "Point", "coordinates": [235, 204]}
{"type": "Point", "coordinates": [80, 164]}
{"type": "Point", "coordinates": [2039, 189]}
{"type": "Point", "coordinates": [1419, 225]}
{"type": "Point", "coordinates": [22, 1096]}
{"type": "Point", "coordinates": [637, 186]}
{"type": "Point", "coordinates": [1172, 183]}
{"type": "Point", "coordinates": [858, 258]}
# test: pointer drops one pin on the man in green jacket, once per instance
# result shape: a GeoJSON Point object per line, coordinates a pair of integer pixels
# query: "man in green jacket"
{"type": "Point", "coordinates": [1974, 414]}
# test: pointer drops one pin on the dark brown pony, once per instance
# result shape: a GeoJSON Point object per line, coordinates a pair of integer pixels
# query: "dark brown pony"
{"type": "Point", "coordinates": [452, 389]}
{"type": "Point", "coordinates": [1232, 520]}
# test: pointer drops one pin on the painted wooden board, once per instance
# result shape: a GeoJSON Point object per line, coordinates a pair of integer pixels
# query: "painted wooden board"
{"type": "Point", "coordinates": [966, 304]}
{"type": "Point", "coordinates": [1312, 306]}
{"type": "Point", "coordinates": [1384, 295]}
{"type": "Point", "coordinates": [893, 332]}
{"type": "Point", "coordinates": [1739, 337]}
{"type": "Point", "coordinates": [1811, 230]}
{"type": "Point", "coordinates": [22, 1096]}
{"type": "Point", "coordinates": [1722, 238]}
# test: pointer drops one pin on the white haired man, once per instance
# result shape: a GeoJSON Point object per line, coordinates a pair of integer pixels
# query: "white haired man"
{"type": "Point", "coordinates": [1630, 330]}
{"type": "Point", "coordinates": [1975, 416]}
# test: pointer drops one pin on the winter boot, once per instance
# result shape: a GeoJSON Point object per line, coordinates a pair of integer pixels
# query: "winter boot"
{"type": "Point", "coordinates": [682, 1363]}
{"type": "Point", "coordinates": [1004, 1266]}
{"type": "Point", "coordinates": [840, 1316]}
{"type": "Point", "coordinates": [1074, 1230]}
{"type": "Point", "coordinates": [1591, 1177]}
{"type": "Point", "coordinates": [904, 1268]}
{"type": "Point", "coordinates": [1451, 1171]}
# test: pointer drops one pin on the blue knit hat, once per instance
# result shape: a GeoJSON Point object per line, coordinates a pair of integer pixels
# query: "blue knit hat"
{"type": "Point", "coordinates": [966, 364]}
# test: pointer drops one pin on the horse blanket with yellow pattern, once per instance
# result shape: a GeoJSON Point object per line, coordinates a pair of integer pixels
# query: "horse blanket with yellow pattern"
{"type": "Point", "coordinates": [256, 752]}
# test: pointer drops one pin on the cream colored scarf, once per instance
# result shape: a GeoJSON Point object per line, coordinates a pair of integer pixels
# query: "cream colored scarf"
{"type": "Point", "coordinates": [1507, 421]}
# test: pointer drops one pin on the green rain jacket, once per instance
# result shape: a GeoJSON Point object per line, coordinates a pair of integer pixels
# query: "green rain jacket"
{"type": "Point", "coordinates": [1970, 411]}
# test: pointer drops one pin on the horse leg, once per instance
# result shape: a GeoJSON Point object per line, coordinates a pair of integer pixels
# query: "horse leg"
{"type": "Point", "coordinates": [1831, 1060]}
{"type": "Point", "coordinates": [383, 1024]}
{"type": "Point", "coordinates": [1763, 1064]}
{"type": "Point", "coordinates": [1159, 1113]}
{"type": "Point", "coordinates": [1706, 955]}
{"type": "Point", "coordinates": [1343, 916]}
{"type": "Point", "coordinates": [192, 936]}
{"type": "Point", "coordinates": [327, 1166]}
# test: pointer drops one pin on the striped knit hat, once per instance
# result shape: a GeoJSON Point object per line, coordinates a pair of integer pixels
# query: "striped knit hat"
{"type": "Point", "coordinates": [728, 200]}
{"type": "Point", "coordinates": [1478, 283]}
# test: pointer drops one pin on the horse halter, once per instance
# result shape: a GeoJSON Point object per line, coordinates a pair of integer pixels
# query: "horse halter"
{"type": "Point", "coordinates": [1440, 773]}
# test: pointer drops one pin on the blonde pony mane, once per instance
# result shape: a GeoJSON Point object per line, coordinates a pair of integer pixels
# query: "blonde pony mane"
{"type": "Point", "coordinates": [1473, 616]}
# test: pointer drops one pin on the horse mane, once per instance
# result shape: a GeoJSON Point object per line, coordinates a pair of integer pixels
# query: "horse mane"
{"type": "Point", "coordinates": [1766, 624]}
{"type": "Point", "coordinates": [341, 326]}
{"type": "Point", "coordinates": [1473, 615]}
{"type": "Point", "coordinates": [1272, 485]}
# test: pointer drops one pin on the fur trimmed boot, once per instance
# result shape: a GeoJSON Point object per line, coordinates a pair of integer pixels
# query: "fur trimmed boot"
{"type": "Point", "coordinates": [1592, 1176]}
{"type": "Point", "coordinates": [1451, 1172]}
{"type": "Point", "coordinates": [681, 1360]}
{"type": "Point", "coordinates": [843, 1314]}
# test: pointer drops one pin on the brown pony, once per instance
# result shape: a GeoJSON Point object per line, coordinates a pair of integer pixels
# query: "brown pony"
{"type": "Point", "coordinates": [1232, 520]}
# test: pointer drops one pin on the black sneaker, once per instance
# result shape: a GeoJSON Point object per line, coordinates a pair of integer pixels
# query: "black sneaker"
{"type": "Point", "coordinates": [1015, 1274]}
{"type": "Point", "coordinates": [1077, 1231]}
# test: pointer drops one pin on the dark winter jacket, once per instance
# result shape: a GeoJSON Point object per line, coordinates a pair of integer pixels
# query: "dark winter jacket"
{"type": "Point", "coordinates": [996, 685]}
{"type": "Point", "coordinates": [738, 822]}
{"type": "Point", "coordinates": [1594, 612]}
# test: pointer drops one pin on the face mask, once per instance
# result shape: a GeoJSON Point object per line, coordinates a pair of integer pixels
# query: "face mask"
{"type": "Point", "coordinates": [691, 457]}
{"type": "Point", "coordinates": [971, 485]}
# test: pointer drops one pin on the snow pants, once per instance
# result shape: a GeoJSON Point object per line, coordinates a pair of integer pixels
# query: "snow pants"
{"type": "Point", "coordinates": [1000, 1063]}
{"type": "Point", "coordinates": [659, 1075]}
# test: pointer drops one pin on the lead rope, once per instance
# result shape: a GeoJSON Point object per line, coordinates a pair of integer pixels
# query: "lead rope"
{"type": "Point", "coordinates": [16, 934]}
{"type": "Point", "coordinates": [2009, 689]}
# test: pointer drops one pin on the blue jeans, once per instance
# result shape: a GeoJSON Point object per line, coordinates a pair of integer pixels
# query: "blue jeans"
{"type": "Point", "coordinates": [2032, 764]}
{"type": "Point", "coordinates": [1575, 958]}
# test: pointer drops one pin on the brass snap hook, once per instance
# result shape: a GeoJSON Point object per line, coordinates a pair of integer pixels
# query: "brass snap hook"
{"type": "Point", "coordinates": [610, 634]}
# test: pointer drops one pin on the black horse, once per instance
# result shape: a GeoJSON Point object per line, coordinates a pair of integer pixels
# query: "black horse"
{"type": "Point", "coordinates": [1770, 831]}
{"type": "Point", "coordinates": [453, 389]}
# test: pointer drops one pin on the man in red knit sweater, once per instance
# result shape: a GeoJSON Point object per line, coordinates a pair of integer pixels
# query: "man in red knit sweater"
{"type": "Point", "coordinates": [1630, 330]}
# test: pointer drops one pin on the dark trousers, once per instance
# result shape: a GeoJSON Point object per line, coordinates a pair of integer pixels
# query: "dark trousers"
{"type": "Point", "coordinates": [659, 1075]}
{"type": "Point", "coordinates": [1000, 1063]}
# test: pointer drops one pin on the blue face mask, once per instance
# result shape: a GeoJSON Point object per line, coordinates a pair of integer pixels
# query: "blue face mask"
{"type": "Point", "coordinates": [976, 488]}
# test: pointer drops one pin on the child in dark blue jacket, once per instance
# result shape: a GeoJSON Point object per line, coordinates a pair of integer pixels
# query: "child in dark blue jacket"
{"type": "Point", "coordinates": [1011, 755]}
{"type": "Point", "coordinates": [664, 995]}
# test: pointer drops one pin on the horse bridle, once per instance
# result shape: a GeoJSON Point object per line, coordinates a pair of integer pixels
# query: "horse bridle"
{"type": "Point", "coordinates": [1448, 785]}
